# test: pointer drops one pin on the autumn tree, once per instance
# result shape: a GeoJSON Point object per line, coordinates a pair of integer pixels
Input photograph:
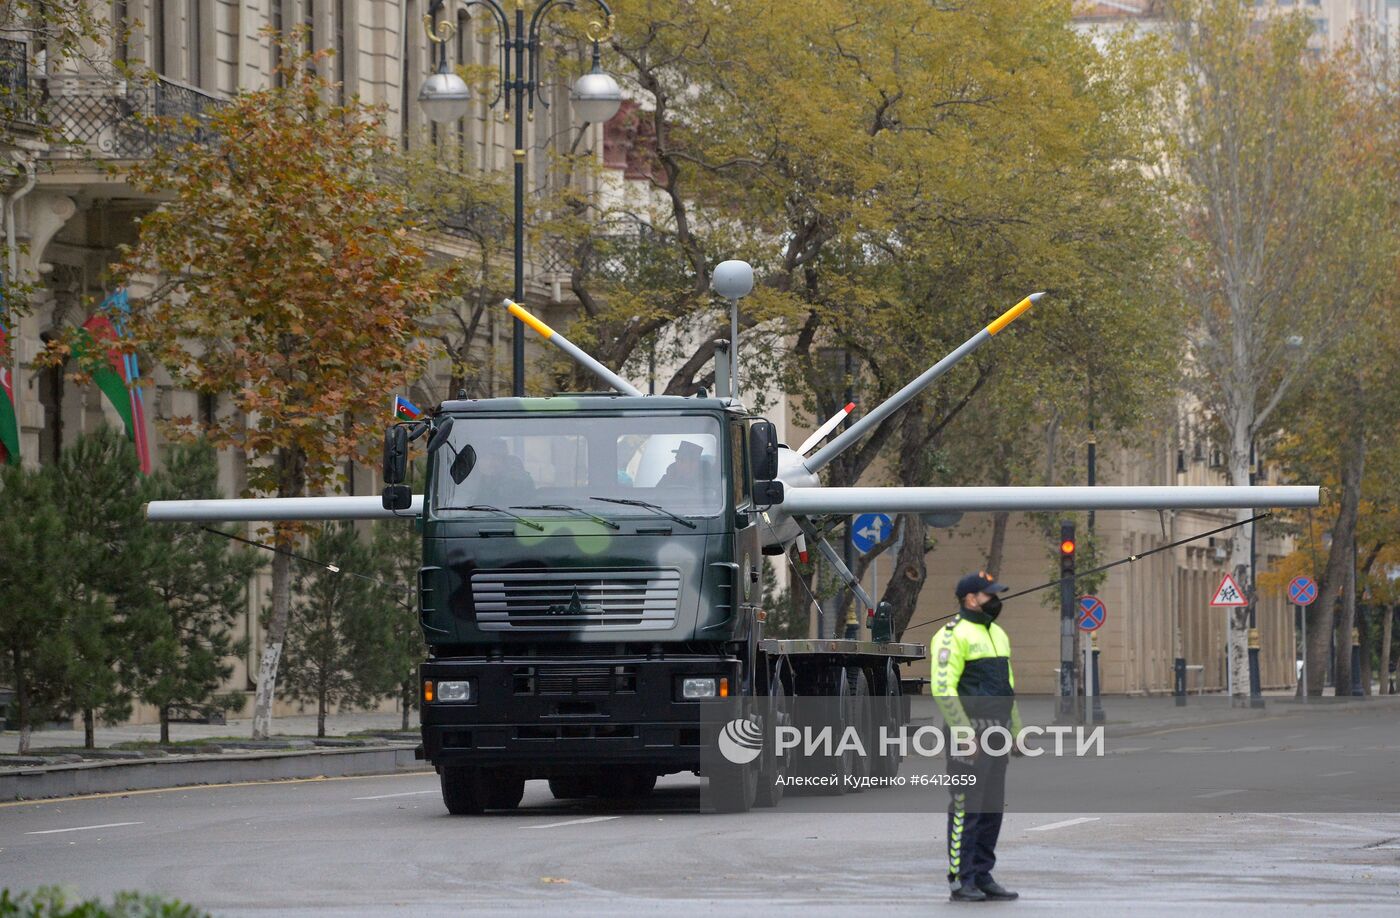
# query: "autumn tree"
{"type": "Point", "coordinates": [1277, 267]}
{"type": "Point", "coordinates": [280, 273]}
{"type": "Point", "coordinates": [898, 178]}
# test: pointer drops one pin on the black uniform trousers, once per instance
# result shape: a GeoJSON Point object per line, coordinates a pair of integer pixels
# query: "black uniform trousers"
{"type": "Point", "coordinates": [974, 817]}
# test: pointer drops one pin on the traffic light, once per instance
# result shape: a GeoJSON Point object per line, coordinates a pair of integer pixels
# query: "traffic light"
{"type": "Point", "coordinates": [1066, 548]}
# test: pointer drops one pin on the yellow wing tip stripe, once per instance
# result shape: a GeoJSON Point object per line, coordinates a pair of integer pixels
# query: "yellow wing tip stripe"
{"type": "Point", "coordinates": [521, 313]}
{"type": "Point", "coordinates": [1012, 314]}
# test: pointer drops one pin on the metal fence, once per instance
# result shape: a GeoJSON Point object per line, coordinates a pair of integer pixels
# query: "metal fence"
{"type": "Point", "coordinates": [91, 115]}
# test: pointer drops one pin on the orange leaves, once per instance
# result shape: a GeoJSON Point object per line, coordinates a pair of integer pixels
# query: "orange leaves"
{"type": "Point", "coordinates": [290, 284]}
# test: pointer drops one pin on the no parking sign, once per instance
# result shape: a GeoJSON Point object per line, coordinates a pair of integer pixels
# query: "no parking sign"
{"type": "Point", "coordinates": [1092, 613]}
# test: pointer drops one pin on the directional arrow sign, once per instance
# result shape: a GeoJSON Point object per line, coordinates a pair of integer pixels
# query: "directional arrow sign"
{"type": "Point", "coordinates": [1229, 594]}
{"type": "Point", "coordinates": [869, 530]}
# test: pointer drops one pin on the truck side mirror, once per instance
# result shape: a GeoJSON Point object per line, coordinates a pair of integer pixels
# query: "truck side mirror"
{"type": "Point", "coordinates": [395, 454]}
{"type": "Point", "coordinates": [763, 450]}
{"type": "Point", "coordinates": [397, 497]}
{"type": "Point", "coordinates": [439, 437]}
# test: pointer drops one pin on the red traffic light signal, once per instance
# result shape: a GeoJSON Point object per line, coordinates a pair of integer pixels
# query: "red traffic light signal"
{"type": "Point", "coordinates": [1067, 547]}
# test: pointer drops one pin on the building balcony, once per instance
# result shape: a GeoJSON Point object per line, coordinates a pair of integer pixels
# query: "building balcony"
{"type": "Point", "coordinates": [99, 116]}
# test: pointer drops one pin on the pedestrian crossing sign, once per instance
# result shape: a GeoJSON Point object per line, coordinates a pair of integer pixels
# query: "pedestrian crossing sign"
{"type": "Point", "coordinates": [1229, 593]}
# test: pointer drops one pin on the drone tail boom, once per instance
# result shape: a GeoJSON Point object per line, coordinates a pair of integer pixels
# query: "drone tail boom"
{"type": "Point", "coordinates": [276, 509]}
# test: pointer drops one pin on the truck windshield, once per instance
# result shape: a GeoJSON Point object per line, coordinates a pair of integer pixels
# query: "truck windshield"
{"type": "Point", "coordinates": [671, 462]}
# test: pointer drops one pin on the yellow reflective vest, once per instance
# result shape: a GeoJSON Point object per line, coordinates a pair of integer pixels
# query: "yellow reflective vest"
{"type": "Point", "coordinates": [971, 672]}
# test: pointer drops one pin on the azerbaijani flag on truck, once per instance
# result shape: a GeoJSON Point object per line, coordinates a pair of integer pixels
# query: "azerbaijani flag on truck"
{"type": "Point", "coordinates": [9, 413]}
{"type": "Point", "coordinates": [117, 378]}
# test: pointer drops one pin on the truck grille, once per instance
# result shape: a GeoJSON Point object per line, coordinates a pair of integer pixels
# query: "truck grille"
{"type": "Point", "coordinates": [568, 600]}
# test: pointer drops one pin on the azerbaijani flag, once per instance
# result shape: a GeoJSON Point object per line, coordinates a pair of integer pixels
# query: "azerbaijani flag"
{"type": "Point", "coordinates": [9, 416]}
{"type": "Point", "coordinates": [117, 378]}
{"type": "Point", "coordinates": [404, 410]}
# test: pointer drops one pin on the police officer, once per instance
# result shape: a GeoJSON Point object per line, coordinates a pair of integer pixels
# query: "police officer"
{"type": "Point", "coordinates": [973, 686]}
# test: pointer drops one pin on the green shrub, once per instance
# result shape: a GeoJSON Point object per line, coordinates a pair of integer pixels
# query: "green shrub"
{"type": "Point", "coordinates": [53, 902]}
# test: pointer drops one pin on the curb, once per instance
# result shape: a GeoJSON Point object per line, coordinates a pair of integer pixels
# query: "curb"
{"type": "Point", "coordinates": [44, 782]}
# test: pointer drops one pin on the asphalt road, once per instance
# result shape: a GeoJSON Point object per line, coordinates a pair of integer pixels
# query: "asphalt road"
{"type": "Point", "coordinates": [384, 845]}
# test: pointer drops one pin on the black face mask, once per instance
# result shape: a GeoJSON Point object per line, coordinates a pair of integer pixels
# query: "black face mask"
{"type": "Point", "coordinates": [992, 607]}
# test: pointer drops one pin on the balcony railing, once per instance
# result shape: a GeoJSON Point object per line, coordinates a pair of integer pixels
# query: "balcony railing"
{"type": "Point", "coordinates": [90, 115]}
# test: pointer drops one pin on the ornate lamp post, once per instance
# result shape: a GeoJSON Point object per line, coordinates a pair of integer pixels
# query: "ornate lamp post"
{"type": "Point", "coordinates": [445, 97]}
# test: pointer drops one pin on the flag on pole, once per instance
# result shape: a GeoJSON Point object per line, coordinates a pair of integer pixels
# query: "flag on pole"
{"type": "Point", "coordinates": [404, 410]}
{"type": "Point", "coordinates": [9, 413]}
{"type": "Point", "coordinates": [118, 377]}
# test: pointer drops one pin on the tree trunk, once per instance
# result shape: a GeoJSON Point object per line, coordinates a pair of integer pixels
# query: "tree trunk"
{"type": "Point", "coordinates": [22, 702]}
{"type": "Point", "coordinates": [1237, 617]}
{"type": "Point", "coordinates": [164, 725]}
{"type": "Point", "coordinates": [1347, 624]}
{"type": "Point", "coordinates": [910, 572]}
{"type": "Point", "coordinates": [276, 635]}
{"type": "Point", "coordinates": [89, 729]}
{"type": "Point", "coordinates": [1387, 633]}
{"type": "Point", "coordinates": [406, 690]}
{"type": "Point", "coordinates": [1319, 614]}
{"type": "Point", "coordinates": [321, 713]}
{"type": "Point", "coordinates": [1363, 626]}
{"type": "Point", "coordinates": [994, 551]}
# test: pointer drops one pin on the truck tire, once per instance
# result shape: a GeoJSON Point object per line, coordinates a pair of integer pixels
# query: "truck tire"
{"type": "Point", "coordinates": [463, 791]}
{"type": "Point", "coordinates": [571, 787]}
{"type": "Point", "coordinates": [471, 791]}
{"type": "Point", "coordinates": [856, 714]}
{"type": "Point", "coordinates": [733, 788]}
{"type": "Point", "coordinates": [891, 715]}
{"type": "Point", "coordinates": [775, 767]}
{"type": "Point", "coordinates": [625, 785]}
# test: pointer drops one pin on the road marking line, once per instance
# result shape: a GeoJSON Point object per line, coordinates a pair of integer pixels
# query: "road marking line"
{"type": "Point", "coordinates": [105, 825]}
{"type": "Point", "coordinates": [1219, 793]}
{"type": "Point", "coordinates": [1065, 824]}
{"type": "Point", "coordinates": [1127, 749]}
{"type": "Point", "coordinates": [412, 793]}
{"type": "Point", "coordinates": [573, 822]}
{"type": "Point", "coordinates": [1191, 749]}
{"type": "Point", "coordinates": [1250, 749]}
{"type": "Point", "coordinates": [1336, 774]}
{"type": "Point", "coordinates": [1313, 749]}
{"type": "Point", "coordinates": [199, 787]}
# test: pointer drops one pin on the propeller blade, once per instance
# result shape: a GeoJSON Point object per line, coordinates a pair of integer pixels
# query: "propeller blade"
{"type": "Point", "coordinates": [825, 429]}
{"type": "Point", "coordinates": [580, 356]}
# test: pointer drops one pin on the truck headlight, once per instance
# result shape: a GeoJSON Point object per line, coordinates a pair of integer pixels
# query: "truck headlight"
{"type": "Point", "coordinates": [454, 691]}
{"type": "Point", "coordinates": [693, 689]}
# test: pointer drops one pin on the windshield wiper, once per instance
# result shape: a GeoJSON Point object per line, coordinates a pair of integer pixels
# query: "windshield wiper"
{"type": "Point", "coordinates": [487, 508]}
{"type": "Point", "coordinates": [566, 508]}
{"type": "Point", "coordinates": [646, 505]}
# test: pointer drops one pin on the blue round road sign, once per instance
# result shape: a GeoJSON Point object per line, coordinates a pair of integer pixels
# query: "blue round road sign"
{"type": "Point", "coordinates": [1092, 612]}
{"type": "Point", "coordinates": [1302, 591]}
{"type": "Point", "coordinates": [869, 530]}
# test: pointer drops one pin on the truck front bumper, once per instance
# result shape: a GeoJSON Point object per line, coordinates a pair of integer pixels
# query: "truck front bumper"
{"type": "Point", "coordinates": [547, 717]}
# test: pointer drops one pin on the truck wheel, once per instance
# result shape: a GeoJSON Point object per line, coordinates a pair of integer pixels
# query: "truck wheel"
{"type": "Point", "coordinates": [571, 787]}
{"type": "Point", "coordinates": [504, 792]}
{"type": "Point", "coordinates": [892, 717]}
{"type": "Point", "coordinates": [464, 791]}
{"type": "Point", "coordinates": [734, 788]}
{"type": "Point", "coordinates": [625, 785]}
{"type": "Point", "coordinates": [470, 791]}
{"type": "Point", "coordinates": [856, 713]}
{"type": "Point", "coordinates": [776, 767]}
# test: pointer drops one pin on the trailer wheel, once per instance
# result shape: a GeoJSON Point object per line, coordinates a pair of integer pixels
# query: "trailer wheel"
{"type": "Point", "coordinates": [886, 765]}
{"type": "Point", "coordinates": [856, 713]}
{"type": "Point", "coordinates": [504, 791]}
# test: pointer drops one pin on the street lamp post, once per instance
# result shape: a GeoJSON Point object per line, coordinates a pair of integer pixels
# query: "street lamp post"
{"type": "Point", "coordinates": [445, 97]}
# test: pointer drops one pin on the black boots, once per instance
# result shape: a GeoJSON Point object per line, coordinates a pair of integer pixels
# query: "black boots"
{"type": "Point", "coordinates": [967, 892]}
{"type": "Point", "coordinates": [984, 890]}
{"type": "Point", "coordinates": [994, 890]}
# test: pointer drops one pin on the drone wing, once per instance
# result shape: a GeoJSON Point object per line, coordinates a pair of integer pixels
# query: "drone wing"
{"type": "Point", "coordinates": [258, 509]}
{"type": "Point", "coordinates": [815, 501]}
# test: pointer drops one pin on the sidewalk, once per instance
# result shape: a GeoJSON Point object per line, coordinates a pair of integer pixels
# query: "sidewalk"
{"type": "Point", "coordinates": [285, 731]}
